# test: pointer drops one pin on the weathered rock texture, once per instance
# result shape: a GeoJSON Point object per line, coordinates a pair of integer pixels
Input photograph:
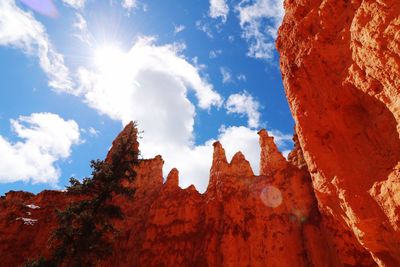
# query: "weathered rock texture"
{"type": "Point", "coordinates": [335, 202]}
{"type": "Point", "coordinates": [340, 62]}
{"type": "Point", "coordinates": [241, 220]}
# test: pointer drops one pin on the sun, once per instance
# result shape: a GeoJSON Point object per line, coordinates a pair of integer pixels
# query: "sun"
{"type": "Point", "coordinates": [110, 59]}
{"type": "Point", "coordinates": [115, 68]}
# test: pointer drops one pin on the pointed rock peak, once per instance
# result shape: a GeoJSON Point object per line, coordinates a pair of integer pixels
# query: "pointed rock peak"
{"type": "Point", "coordinates": [262, 132]}
{"type": "Point", "coordinates": [219, 153]}
{"type": "Point", "coordinates": [158, 158]}
{"type": "Point", "coordinates": [240, 165]}
{"type": "Point", "coordinates": [267, 142]}
{"type": "Point", "coordinates": [192, 188]}
{"type": "Point", "coordinates": [173, 178]}
{"type": "Point", "coordinates": [219, 164]}
{"type": "Point", "coordinates": [238, 158]}
{"type": "Point", "coordinates": [271, 159]}
{"type": "Point", "coordinates": [125, 148]}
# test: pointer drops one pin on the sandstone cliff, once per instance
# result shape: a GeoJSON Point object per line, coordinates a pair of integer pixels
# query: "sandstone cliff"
{"type": "Point", "coordinates": [341, 68]}
{"type": "Point", "coordinates": [241, 220]}
{"type": "Point", "coordinates": [334, 202]}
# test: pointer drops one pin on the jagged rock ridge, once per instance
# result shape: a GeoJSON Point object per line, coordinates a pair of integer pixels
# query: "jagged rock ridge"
{"type": "Point", "coordinates": [241, 220]}
{"type": "Point", "coordinates": [335, 202]}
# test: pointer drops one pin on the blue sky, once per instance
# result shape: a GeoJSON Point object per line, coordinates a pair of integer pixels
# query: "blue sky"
{"type": "Point", "coordinates": [73, 72]}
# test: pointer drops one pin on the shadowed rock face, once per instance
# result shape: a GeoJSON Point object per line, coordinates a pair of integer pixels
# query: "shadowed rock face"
{"type": "Point", "coordinates": [341, 69]}
{"type": "Point", "coordinates": [241, 220]}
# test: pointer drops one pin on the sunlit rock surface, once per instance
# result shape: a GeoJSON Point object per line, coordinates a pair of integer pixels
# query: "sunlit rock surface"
{"type": "Point", "coordinates": [340, 62]}
{"type": "Point", "coordinates": [241, 220]}
{"type": "Point", "coordinates": [334, 202]}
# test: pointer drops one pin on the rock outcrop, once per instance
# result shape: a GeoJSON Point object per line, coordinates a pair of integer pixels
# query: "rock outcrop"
{"type": "Point", "coordinates": [334, 202]}
{"type": "Point", "coordinates": [241, 220]}
{"type": "Point", "coordinates": [340, 62]}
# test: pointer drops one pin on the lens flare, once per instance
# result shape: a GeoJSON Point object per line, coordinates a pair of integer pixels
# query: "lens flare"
{"type": "Point", "coordinates": [271, 196]}
{"type": "Point", "coordinates": [44, 7]}
{"type": "Point", "coordinates": [298, 215]}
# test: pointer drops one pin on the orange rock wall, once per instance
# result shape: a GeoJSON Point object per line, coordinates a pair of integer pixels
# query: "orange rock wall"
{"type": "Point", "coordinates": [334, 202]}
{"type": "Point", "coordinates": [241, 220]}
{"type": "Point", "coordinates": [340, 62]}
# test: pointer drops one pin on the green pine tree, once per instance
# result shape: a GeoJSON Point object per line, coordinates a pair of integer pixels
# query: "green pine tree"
{"type": "Point", "coordinates": [85, 232]}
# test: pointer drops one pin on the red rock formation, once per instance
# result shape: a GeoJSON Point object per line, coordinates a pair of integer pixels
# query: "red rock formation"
{"type": "Point", "coordinates": [341, 69]}
{"type": "Point", "coordinates": [241, 220]}
{"type": "Point", "coordinates": [335, 202]}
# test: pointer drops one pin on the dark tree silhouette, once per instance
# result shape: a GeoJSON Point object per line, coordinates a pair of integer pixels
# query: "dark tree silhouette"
{"type": "Point", "coordinates": [85, 232]}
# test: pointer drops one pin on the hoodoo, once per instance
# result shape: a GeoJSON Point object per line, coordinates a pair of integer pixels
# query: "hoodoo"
{"type": "Point", "coordinates": [241, 220]}
{"type": "Point", "coordinates": [334, 202]}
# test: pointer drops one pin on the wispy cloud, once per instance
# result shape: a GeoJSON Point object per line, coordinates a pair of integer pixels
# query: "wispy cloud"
{"type": "Point", "coordinates": [244, 104]}
{"type": "Point", "coordinates": [129, 4]}
{"type": "Point", "coordinates": [219, 9]}
{"type": "Point", "coordinates": [93, 132]}
{"type": "Point", "coordinates": [149, 83]}
{"type": "Point", "coordinates": [90, 131]}
{"type": "Point", "coordinates": [260, 21]}
{"type": "Point", "coordinates": [215, 53]}
{"type": "Point", "coordinates": [204, 27]}
{"type": "Point", "coordinates": [82, 32]}
{"type": "Point", "coordinates": [241, 77]}
{"type": "Point", "coordinates": [178, 28]}
{"type": "Point", "coordinates": [77, 4]}
{"type": "Point", "coordinates": [226, 75]}
{"type": "Point", "coordinates": [45, 139]}
{"type": "Point", "coordinates": [21, 30]}
{"type": "Point", "coordinates": [157, 76]}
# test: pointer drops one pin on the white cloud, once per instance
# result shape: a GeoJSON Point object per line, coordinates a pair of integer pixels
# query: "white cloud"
{"type": "Point", "coordinates": [244, 104]}
{"type": "Point", "coordinates": [90, 131]}
{"type": "Point", "coordinates": [132, 71]}
{"type": "Point", "coordinates": [150, 84]}
{"type": "Point", "coordinates": [240, 138]}
{"type": "Point", "coordinates": [204, 27]}
{"type": "Point", "coordinates": [241, 77]}
{"type": "Point", "coordinates": [82, 32]}
{"type": "Point", "coordinates": [93, 132]}
{"type": "Point", "coordinates": [260, 21]}
{"type": "Point", "coordinates": [215, 53]}
{"type": "Point", "coordinates": [75, 3]}
{"type": "Point", "coordinates": [46, 138]}
{"type": "Point", "coordinates": [194, 166]}
{"type": "Point", "coordinates": [178, 28]}
{"type": "Point", "coordinates": [219, 9]}
{"type": "Point", "coordinates": [129, 4]}
{"type": "Point", "coordinates": [19, 29]}
{"type": "Point", "coordinates": [194, 163]}
{"type": "Point", "coordinates": [226, 75]}
{"type": "Point", "coordinates": [199, 66]}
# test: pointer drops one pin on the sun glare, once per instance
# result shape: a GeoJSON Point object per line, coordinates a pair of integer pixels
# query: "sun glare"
{"type": "Point", "coordinates": [109, 59]}
{"type": "Point", "coordinates": [114, 68]}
